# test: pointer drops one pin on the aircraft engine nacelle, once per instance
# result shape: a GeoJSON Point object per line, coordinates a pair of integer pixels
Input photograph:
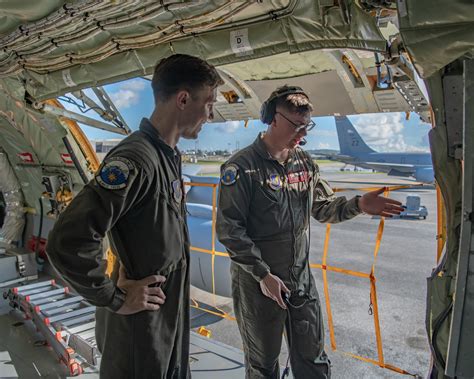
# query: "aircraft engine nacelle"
{"type": "Point", "coordinates": [424, 174]}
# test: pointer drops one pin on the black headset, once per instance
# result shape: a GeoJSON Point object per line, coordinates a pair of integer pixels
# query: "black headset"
{"type": "Point", "coordinates": [268, 109]}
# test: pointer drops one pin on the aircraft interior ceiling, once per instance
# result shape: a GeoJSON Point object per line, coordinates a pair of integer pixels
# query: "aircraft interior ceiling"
{"type": "Point", "coordinates": [352, 56]}
{"type": "Point", "coordinates": [86, 43]}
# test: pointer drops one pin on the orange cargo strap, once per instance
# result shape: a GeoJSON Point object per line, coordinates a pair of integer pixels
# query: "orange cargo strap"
{"type": "Point", "coordinates": [373, 307]}
{"type": "Point", "coordinates": [195, 304]}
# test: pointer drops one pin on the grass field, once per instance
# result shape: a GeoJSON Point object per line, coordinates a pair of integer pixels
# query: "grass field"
{"type": "Point", "coordinates": [206, 162]}
{"type": "Point", "coordinates": [323, 161]}
{"type": "Point", "coordinates": [210, 162]}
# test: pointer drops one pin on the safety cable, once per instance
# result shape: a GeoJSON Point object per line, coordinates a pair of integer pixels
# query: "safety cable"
{"type": "Point", "coordinates": [286, 371]}
{"type": "Point", "coordinates": [82, 107]}
{"type": "Point", "coordinates": [39, 260]}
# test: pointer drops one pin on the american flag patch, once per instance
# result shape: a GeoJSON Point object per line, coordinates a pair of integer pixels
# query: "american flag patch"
{"type": "Point", "coordinates": [297, 177]}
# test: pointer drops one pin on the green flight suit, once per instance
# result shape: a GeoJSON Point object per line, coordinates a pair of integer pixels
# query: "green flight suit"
{"type": "Point", "coordinates": [263, 218]}
{"type": "Point", "coordinates": [136, 197]}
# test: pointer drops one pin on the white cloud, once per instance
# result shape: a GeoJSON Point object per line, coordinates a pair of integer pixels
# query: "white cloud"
{"type": "Point", "coordinates": [384, 132]}
{"type": "Point", "coordinates": [229, 127]}
{"type": "Point", "coordinates": [417, 149]}
{"type": "Point", "coordinates": [134, 85]}
{"type": "Point", "coordinates": [323, 145]}
{"type": "Point", "coordinates": [128, 93]}
{"type": "Point", "coordinates": [322, 133]}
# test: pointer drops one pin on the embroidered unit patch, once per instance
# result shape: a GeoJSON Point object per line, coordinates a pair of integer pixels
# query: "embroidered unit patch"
{"type": "Point", "coordinates": [114, 174]}
{"type": "Point", "coordinates": [275, 182]}
{"type": "Point", "coordinates": [230, 174]}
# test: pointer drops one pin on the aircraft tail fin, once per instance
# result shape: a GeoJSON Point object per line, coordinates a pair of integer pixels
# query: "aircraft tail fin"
{"type": "Point", "coordinates": [350, 142]}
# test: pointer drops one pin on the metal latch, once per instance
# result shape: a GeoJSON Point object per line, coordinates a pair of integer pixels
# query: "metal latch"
{"type": "Point", "coordinates": [21, 267]}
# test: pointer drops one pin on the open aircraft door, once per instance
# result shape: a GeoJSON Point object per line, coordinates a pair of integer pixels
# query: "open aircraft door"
{"type": "Point", "coordinates": [460, 349]}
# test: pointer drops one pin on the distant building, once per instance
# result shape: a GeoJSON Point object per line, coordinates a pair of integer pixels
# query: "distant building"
{"type": "Point", "coordinates": [102, 147]}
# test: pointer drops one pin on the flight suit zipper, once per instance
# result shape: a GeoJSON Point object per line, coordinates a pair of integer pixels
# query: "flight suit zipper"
{"type": "Point", "coordinates": [293, 279]}
{"type": "Point", "coordinates": [176, 167]}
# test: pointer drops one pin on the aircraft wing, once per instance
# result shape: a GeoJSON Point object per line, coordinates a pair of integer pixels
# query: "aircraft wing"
{"type": "Point", "coordinates": [191, 169]}
{"type": "Point", "coordinates": [399, 167]}
{"type": "Point", "coordinates": [341, 157]}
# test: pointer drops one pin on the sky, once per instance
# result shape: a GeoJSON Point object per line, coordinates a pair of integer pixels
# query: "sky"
{"type": "Point", "coordinates": [383, 131]}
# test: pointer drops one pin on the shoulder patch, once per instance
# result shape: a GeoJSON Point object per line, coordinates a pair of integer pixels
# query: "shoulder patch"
{"type": "Point", "coordinates": [230, 174]}
{"type": "Point", "coordinates": [115, 173]}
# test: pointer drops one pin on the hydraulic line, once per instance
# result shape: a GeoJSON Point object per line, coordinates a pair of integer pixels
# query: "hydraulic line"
{"type": "Point", "coordinates": [39, 260]}
{"type": "Point", "coordinates": [79, 169]}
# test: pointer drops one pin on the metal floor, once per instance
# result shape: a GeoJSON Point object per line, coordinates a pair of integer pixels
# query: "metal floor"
{"type": "Point", "coordinates": [23, 353]}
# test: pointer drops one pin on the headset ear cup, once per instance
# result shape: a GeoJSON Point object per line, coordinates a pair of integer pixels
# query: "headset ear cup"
{"type": "Point", "coordinates": [268, 108]}
{"type": "Point", "coordinates": [270, 111]}
{"type": "Point", "coordinates": [263, 112]}
{"type": "Point", "coordinates": [267, 112]}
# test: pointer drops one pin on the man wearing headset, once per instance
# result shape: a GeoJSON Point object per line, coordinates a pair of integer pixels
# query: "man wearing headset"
{"type": "Point", "coordinates": [268, 192]}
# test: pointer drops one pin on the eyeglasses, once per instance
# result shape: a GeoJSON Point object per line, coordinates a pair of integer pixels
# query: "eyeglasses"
{"type": "Point", "coordinates": [297, 127]}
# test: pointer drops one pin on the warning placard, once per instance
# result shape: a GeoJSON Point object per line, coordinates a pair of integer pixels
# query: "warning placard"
{"type": "Point", "coordinates": [239, 41]}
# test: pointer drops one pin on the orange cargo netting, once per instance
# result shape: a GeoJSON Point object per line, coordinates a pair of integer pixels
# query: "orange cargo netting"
{"type": "Point", "coordinates": [373, 308]}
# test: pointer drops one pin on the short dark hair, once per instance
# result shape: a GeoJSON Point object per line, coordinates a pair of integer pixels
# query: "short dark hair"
{"type": "Point", "coordinates": [182, 72]}
{"type": "Point", "coordinates": [293, 102]}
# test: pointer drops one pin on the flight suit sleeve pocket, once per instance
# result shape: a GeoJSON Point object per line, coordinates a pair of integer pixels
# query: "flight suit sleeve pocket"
{"type": "Point", "coordinates": [324, 191]}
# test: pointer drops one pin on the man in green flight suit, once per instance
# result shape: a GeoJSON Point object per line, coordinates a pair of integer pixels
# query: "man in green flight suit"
{"type": "Point", "coordinates": [136, 197]}
{"type": "Point", "coordinates": [268, 192]}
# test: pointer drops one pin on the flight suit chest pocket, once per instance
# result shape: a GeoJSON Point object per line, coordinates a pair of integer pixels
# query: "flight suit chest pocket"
{"type": "Point", "coordinates": [269, 190]}
{"type": "Point", "coordinates": [175, 196]}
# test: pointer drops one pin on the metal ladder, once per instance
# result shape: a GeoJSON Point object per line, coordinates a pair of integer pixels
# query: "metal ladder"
{"type": "Point", "coordinates": [66, 321]}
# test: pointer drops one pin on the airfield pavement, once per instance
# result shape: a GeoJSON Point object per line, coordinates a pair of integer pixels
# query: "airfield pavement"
{"type": "Point", "coordinates": [406, 257]}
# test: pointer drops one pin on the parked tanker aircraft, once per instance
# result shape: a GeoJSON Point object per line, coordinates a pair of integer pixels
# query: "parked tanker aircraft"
{"type": "Point", "coordinates": [352, 57]}
{"type": "Point", "coordinates": [354, 151]}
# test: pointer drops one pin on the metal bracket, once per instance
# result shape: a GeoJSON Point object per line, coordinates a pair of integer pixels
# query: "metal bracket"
{"type": "Point", "coordinates": [453, 100]}
{"type": "Point", "coordinates": [113, 120]}
{"type": "Point", "coordinates": [79, 118]}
